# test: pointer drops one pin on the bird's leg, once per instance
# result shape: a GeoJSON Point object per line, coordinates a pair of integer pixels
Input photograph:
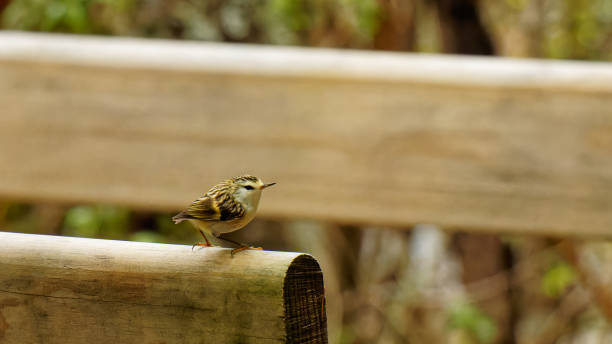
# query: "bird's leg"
{"type": "Point", "coordinates": [207, 244]}
{"type": "Point", "coordinates": [241, 247]}
{"type": "Point", "coordinates": [245, 247]}
{"type": "Point", "coordinates": [205, 238]}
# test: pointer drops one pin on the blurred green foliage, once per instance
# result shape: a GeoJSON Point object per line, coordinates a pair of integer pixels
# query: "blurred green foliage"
{"type": "Point", "coordinates": [557, 279]}
{"type": "Point", "coordinates": [95, 221]}
{"type": "Point", "coordinates": [337, 22]}
{"type": "Point", "coordinates": [54, 15]}
{"type": "Point", "coordinates": [99, 221]}
{"type": "Point", "coordinates": [572, 29]}
{"type": "Point", "coordinates": [469, 318]}
{"type": "Point", "coordinates": [14, 211]}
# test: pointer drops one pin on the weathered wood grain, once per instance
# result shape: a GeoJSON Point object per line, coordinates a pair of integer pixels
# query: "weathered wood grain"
{"type": "Point", "coordinates": [378, 138]}
{"type": "Point", "coordinates": [75, 290]}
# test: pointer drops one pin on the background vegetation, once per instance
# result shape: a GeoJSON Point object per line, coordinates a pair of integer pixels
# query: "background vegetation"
{"type": "Point", "coordinates": [383, 285]}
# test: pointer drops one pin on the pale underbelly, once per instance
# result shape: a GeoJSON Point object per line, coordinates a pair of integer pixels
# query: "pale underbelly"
{"type": "Point", "coordinates": [219, 227]}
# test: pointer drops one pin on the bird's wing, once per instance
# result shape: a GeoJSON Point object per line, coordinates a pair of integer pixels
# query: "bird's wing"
{"type": "Point", "coordinates": [205, 208]}
{"type": "Point", "coordinates": [211, 209]}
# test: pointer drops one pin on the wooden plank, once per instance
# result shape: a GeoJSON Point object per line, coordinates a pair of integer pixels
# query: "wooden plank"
{"type": "Point", "coordinates": [75, 290]}
{"type": "Point", "coordinates": [376, 138]}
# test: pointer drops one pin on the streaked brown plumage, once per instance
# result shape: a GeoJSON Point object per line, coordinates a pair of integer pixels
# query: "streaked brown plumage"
{"type": "Point", "coordinates": [226, 207]}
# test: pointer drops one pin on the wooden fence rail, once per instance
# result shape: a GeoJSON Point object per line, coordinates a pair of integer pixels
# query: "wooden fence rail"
{"type": "Point", "coordinates": [74, 290]}
{"type": "Point", "coordinates": [360, 137]}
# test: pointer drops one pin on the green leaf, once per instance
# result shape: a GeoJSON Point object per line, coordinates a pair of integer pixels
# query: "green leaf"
{"type": "Point", "coordinates": [82, 221]}
{"type": "Point", "coordinates": [97, 221]}
{"type": "Point", "coordinates": [468, 317]}
{"type": "Point", "coordinates": [557, 279]}
{"type": "Point", "coordinates": [76, 17]}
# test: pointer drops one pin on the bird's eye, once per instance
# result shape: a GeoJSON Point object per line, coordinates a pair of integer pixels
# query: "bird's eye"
{"type": "Point", "coordinates": [248, 187]}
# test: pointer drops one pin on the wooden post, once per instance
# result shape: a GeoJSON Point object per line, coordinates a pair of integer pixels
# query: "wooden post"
{"type": "Point", "coordinates": [75, 290]}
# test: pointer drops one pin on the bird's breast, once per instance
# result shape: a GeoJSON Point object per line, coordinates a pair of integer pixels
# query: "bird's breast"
{"type": "Point", "coordinates": [233, 225]}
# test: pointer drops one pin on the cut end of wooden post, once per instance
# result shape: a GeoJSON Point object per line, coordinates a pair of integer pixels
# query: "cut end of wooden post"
{"type": "Point", "coordinates": [70, 290]}
{"type": "Point", "coordinates": [304, 298]}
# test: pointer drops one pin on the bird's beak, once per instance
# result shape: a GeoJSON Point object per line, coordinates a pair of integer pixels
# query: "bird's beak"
{"type": "Point", "coordinates": [266, 185]}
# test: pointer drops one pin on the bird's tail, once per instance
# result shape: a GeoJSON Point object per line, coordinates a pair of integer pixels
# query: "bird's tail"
{"type": "Point", "coordinates": [178, 218]}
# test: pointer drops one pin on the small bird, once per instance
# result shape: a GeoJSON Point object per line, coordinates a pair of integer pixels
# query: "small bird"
{"type": "Point", "coordinates": [226, 207]}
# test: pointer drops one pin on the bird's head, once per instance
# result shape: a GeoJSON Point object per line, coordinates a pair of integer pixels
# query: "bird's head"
{"type": "Point", "coordinates": [247, 189]}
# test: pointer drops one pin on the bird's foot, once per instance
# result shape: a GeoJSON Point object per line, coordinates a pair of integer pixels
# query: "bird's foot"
{"type": "Point", "coordinates": [244, 247]}
{"type": "Point", "coordinates": [202, 244]}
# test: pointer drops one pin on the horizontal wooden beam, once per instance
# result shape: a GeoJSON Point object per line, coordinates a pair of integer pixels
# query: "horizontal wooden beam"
{"type": "Point", "coordinates": [249, 59]}
{"type": "Point", "coordinates": [350, 136]}
{"type": "Point", "coordinates": [74, 290]}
